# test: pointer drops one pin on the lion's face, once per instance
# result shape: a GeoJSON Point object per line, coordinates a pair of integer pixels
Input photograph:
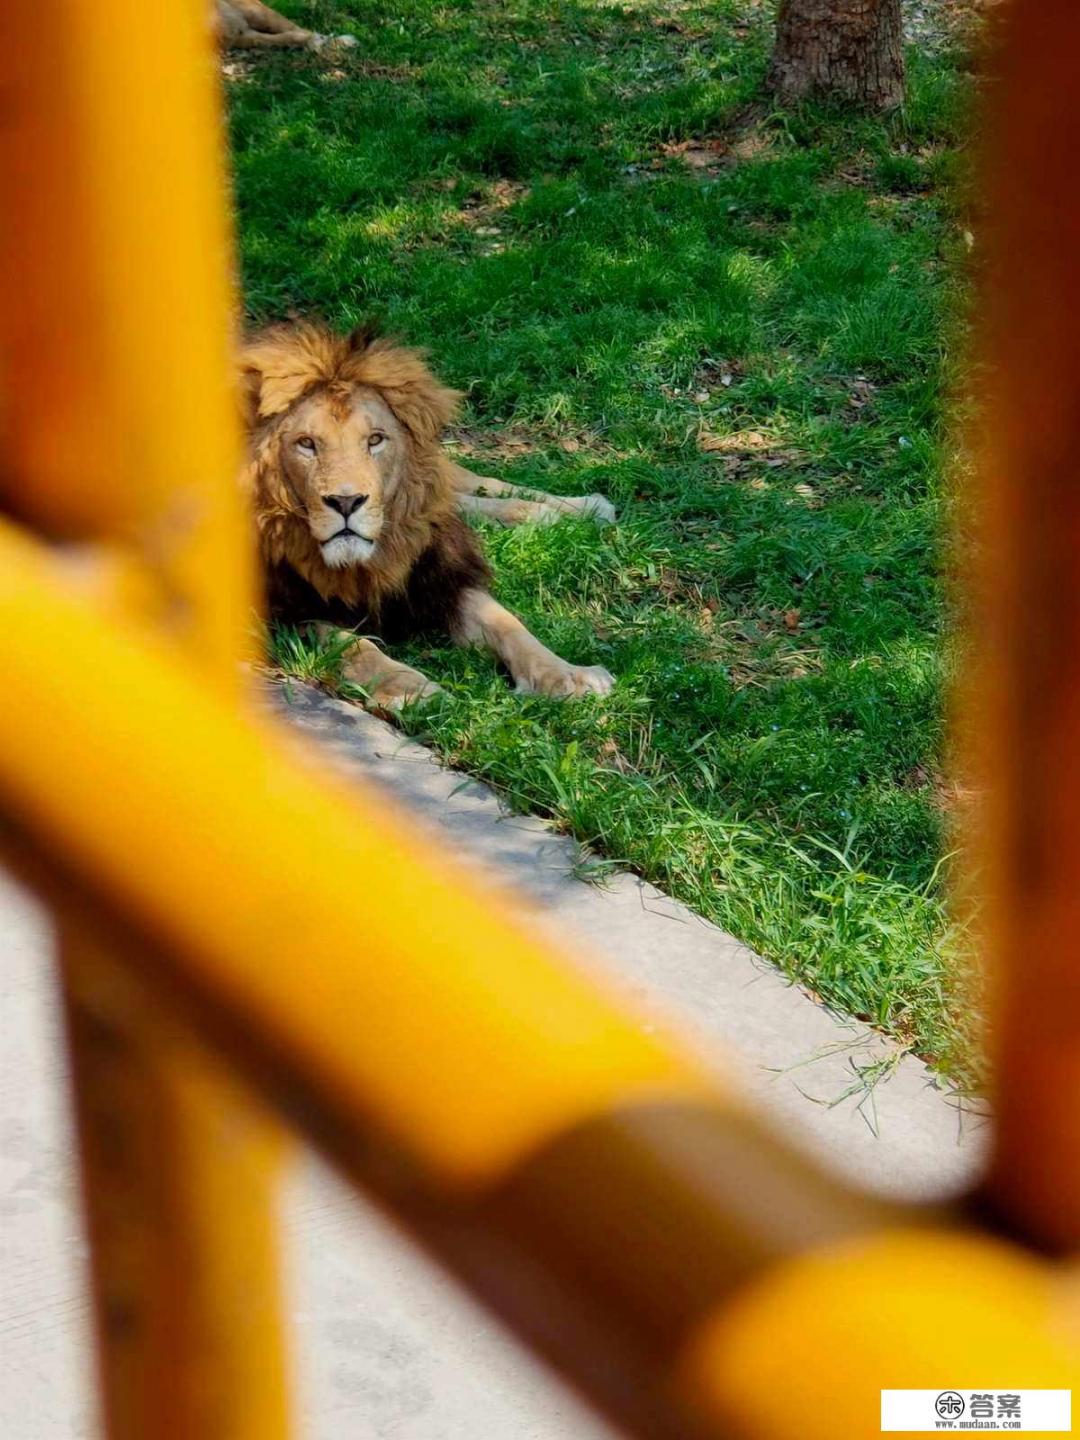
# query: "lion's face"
{"type": "Point", "coordinates": [344, 467]}
{"type": "Point", "coordinates": [343, 456]}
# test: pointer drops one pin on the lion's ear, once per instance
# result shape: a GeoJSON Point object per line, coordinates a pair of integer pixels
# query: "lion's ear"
{"type": "Point", "coordinates": [423, 405]}
{"type": "Point", "coordinates": [278, 365]}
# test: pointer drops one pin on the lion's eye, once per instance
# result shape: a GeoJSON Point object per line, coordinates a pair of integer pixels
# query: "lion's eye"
{"type": "Point", "coordinates": [375, 439]}
{"type": "Point", "coordinates": [306, 445]}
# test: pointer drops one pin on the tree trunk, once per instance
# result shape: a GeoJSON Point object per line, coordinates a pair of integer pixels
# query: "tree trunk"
{"type": "Point", "coordinates": [839, 49]}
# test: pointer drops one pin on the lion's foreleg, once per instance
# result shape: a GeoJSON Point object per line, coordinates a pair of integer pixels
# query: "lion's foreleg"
{"type": "Point", "coordinates": [536, 670]}
{"type": "Point", "coordinates": [466, 483]}
{"type": "Point", "coordinates": [509, 511]}
{"type": "Point", "coordinates": [515, 505]}
{"type": "Point", "coordinates": [262, 40]}
{"type": "Point", "coordinates": [271, 22]}
{"type": "Point", "coordinates": [389, 684]}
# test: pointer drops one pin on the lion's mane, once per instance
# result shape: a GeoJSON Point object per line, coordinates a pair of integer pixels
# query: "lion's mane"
{"type": "Point", "coordinates": [281, 365]}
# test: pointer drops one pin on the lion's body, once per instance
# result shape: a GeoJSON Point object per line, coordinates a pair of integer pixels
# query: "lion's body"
{"type": "Point", "coordinates": [426, 554]}
{"type": "Point", "coordinates": [356, 508]}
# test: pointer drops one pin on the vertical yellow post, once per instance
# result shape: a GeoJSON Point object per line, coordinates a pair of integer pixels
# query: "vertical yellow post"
{"type": "Point", "coordinates": [1029, 707]}
{"type": "Point", "coordinates": [119, 430]}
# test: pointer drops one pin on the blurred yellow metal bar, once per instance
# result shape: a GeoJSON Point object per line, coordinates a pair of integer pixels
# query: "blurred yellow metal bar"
{"type": "Point", "coordinates": [178, 1166]}
{"type": "Point", "coordinates": [608, 1196]}
{"type": "Point", "coordinates": [1027, 702]}
{"type": "Point", "coordinates": [614, 1202]}
{"type": "Point", "coordinates": [803, 1351]}
{"type": "Point", "coordinates": [114, 342]}
{"type": "Point", "coordinates": [115, 304]}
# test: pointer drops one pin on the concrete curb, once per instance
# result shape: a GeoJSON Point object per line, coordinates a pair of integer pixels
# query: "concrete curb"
{"type": "Point", "coordinates": [906, 1136]}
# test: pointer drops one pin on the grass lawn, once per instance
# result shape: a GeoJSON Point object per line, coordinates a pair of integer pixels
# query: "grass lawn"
{"type": "Point", "coordinates": [732, 321]}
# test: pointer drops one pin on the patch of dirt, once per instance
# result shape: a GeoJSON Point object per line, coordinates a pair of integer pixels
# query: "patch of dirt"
{"type": "Point", "coordinates": [857, 169]}
{"type": "Point", "coordinates": [708, 155]}
{"type": "Point", "coordinates": [711, 374]}
{"type": "Point", "coordinates": [945, 794]}
{"type": "Point", "coordinates": [763, 648]}
{"type": "Point", "coordinates": [237, 72]}
{"type": "Point", "coordinates": [511, 444]}
{"type": "Point", "coordinates": [742, 447]}
{"type": "Point", "coordinates": [937, 24]}
{"type": "Point", "coordinates": [492, 444]}
{"type": "Point", "coordinates": [375, 71]}
{"type": "Point", "coordinates": [479, 208]}
{"type": "Point", "coordinates": [740, 442]}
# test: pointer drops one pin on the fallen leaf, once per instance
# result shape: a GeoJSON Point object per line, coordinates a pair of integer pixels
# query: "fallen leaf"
{"type": "Point", "coordinates": [791, 619]}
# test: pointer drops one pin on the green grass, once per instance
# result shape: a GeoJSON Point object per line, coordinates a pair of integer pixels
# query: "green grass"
{"type": "Point", "coordinates": [508, 185]}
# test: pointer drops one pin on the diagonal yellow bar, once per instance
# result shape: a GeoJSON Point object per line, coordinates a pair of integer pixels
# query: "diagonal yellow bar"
{"type": "Point", "coordinates": [590, 1181]}
{"type": "Point", "coordinates": [206, 832]}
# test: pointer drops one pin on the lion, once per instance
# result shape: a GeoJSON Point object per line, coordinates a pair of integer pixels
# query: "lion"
{"type": "Point", "coordinates": [251, 25]}
{"type": "Point", "coordinates": [356, 511]}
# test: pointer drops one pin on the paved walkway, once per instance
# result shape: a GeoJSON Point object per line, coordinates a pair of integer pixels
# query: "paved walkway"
{"type": "Point", "coordinates": [386, 1349]}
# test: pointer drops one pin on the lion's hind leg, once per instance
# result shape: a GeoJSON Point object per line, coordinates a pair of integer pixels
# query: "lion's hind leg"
{"type": "Point", "coordinates": [388, 683]}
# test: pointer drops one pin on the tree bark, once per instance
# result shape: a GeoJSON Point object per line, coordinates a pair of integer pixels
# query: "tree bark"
{"type": "Point", "coordinates": [849, 50]}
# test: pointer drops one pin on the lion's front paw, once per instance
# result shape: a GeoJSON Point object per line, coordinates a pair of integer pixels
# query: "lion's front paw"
{"type": "Point", "coordinates": [599, 508]}
{"type": "Point", "coordinates": [590, 507]}
{"type": "Point", "coordinates": [396, 700]}
{"type": "Point", "coordinates": [403, 686]}
{"type": "Point", "coordinates": [557, 678]}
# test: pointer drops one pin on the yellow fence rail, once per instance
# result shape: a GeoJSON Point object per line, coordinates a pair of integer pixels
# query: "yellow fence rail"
{"type": "Point", "coordinates": [617, 1204]}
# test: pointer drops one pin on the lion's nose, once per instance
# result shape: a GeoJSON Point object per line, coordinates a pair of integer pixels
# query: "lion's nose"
{"type": "Point", "coordinates": [344, 504]}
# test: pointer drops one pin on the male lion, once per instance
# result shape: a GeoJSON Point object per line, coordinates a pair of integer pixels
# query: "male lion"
{"type": "Point", "coordinates": [356, 511]}
{"type": "Point", "coordinates": [248, 24]}
{"type": "Point", "coordinates": [251, 25]}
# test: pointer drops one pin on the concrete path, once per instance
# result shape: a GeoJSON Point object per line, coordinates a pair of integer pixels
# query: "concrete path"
{"type": "Point", "coordinates": [386, 1349]}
